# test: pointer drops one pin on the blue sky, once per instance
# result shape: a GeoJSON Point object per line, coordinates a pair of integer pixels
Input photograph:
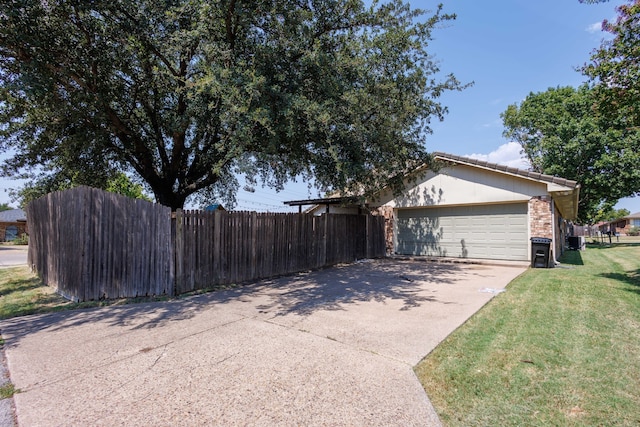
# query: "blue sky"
{"type": "Point", "coordinates": [508, 48]}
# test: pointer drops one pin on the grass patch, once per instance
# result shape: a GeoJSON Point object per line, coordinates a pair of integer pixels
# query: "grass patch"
{"type": "Point", "coordinates": [7, 391]}
{"type": "Point", "coordinates": [560, 347]}
{"type": "Point", "coordinates": [23, 293]}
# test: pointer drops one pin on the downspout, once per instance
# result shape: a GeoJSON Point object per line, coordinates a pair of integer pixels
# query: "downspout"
{"type": "Point", "coordinates": [553, 231]}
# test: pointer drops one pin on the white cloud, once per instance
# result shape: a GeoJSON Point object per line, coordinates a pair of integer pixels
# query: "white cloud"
{"type": "Point", "coordinates": [508, 154]}
{"type": "Point", "coordinates": [497, 122]}
{"type": "Point", "coordinates": [596, 27]}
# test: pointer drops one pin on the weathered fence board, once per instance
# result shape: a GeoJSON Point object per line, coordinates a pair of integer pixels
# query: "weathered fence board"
{"type": "Point", "coordinates": [215, 248]}
{"type": "Point", "coordinates": [91, 244]}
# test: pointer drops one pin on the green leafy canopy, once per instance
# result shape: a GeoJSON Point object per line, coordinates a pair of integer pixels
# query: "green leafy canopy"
{"type": "Point", "coordinates": [187, 95]}
{"type": "Point", "coordinates": [561, 134]}
{"type": "Point", "coordinates": [590, 134]}
{"type": "Point", "coordinates": [615, 69]}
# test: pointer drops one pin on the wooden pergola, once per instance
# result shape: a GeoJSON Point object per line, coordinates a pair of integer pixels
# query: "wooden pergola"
{"type": "Point", "coordinates": [341, 201]}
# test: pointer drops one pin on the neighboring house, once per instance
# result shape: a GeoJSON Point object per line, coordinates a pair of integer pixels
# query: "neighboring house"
{"type": "Point", "coordinates": [622, 225]}
{"type": "Point", "coordinates": [470, 209]}
{"type": "Point", "coordinates": [13, 223]}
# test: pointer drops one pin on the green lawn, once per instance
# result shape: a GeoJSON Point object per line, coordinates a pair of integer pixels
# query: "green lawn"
{"type": "Point", "coordinates": [22, 293]}
{"type": "Point", "coordinates": [560, 347]}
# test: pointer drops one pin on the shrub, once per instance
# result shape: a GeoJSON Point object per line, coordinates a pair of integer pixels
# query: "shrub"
{"type": "Point", "coordinates": [22, 240]}
{"type": "Point", "coordinates": [634, 231]}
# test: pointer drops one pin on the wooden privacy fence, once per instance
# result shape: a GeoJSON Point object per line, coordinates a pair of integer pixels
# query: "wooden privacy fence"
{"type": "Point", "coordinates": [91, 244]}
{"type": "Point", "coordinates": [220, 247]}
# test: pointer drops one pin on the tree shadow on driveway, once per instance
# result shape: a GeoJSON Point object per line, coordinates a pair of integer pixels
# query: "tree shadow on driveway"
{"type": "Point", "coordinates": [335, 288]}
{"type": "Point", "coordinates": [413, 283]}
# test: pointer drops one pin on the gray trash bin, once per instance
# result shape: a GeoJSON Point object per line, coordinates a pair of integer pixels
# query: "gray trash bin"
{"type": "Point", "coordinates": [540, 252]}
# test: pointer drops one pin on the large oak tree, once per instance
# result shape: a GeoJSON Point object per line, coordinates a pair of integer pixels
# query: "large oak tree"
{"type": "Point", "coordinates": [562, 134]}
{"type": "Point", "coordinates": [189, 95]}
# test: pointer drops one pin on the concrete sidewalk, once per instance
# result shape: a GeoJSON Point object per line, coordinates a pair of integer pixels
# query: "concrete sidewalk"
{"type": "Point", "coordinates": [332, 347]}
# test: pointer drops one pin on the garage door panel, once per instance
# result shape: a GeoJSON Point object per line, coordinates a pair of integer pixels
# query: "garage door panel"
{"type": "Point", "coordinates": [493, 231]}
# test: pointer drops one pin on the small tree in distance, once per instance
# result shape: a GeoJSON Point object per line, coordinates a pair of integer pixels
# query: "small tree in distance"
{"type": "Point", "coordinates": [561, 135]}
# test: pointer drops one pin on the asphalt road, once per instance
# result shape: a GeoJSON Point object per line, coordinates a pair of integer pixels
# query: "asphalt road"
{"type": "Point", "coordinates": [13, 256]}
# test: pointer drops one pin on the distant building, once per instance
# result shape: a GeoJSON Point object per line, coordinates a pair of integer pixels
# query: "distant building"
{"type": "Point", "coordinates": [622, 225]}
{"type": "Point", "coordinates": [13, 223]}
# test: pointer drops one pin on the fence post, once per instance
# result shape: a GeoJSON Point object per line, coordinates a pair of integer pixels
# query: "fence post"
{"type": "Point", "coordinates": [179, 251]}
{"type": "Point", "coordinates": [254, 244]}
{"type": "Point", "coordinates": [367, 233]}
{"type": "Point", "coordinates": [168, 241]}
{"type": "Point", "coordinates": [217, 246]}
{"type": "Point", "coordinates": [324, 238]}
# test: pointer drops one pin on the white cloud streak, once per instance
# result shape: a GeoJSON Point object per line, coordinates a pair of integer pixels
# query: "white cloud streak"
{"type": "Point", "coordinates": [594, 28]}
{"type": "Point", "coordinates": [509, 154]}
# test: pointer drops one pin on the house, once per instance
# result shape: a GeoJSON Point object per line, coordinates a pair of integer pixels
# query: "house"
{"type": "Point", "coordinates": [469, 208]}
{"type": "Point", "coordinates": [622, 225]}
{"type": "Point", "coordinates": [13, 223]}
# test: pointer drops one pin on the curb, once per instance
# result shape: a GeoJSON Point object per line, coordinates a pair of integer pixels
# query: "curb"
{"type": "Point", "coordinates": [7, 406]}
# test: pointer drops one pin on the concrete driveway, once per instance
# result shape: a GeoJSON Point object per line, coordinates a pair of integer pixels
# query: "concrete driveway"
{"type": "Point", "coordinates": [331, 347]}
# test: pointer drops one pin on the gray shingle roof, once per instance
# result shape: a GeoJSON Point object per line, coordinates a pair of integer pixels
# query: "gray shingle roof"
{"type": "Point", "coordinates": [13, 215]}
{"type": "Point", "coordinates": [502, 168]}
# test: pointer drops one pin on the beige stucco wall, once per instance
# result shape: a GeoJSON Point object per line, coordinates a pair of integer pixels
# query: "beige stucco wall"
{"type": "Point", "coordinates": [561, 233]}
{"type": "Point", "coordinates": [462, 185]}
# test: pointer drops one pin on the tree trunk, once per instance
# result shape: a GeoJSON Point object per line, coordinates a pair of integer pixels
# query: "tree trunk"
{"type": "Point", "coordinates": [170, 199]}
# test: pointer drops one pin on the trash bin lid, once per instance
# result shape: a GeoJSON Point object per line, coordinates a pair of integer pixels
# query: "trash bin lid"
{"type": "Point", "coordinates": [540, 240]}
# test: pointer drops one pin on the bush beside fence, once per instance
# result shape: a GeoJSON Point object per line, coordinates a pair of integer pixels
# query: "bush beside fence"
{"type": "Point", "coordinates": [91, 244]}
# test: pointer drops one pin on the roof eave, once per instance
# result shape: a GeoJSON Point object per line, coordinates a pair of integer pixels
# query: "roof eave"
{"type": "Point", "coordinates": [508, 170]}
{"type": "Point", "coordinates": [567, 202]}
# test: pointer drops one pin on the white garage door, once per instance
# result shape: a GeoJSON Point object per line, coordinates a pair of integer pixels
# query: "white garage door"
{"type": "Point", "coordinates": [482, 231]}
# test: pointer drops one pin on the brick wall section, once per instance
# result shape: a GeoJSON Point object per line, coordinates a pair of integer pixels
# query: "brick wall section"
{"type": "Point", "coordinates": [22, 229]}
{"type": "Point", "coordinates": [540, 217]}
{"type": "Point", "coordinates": [622, 226]}
{"type": "Point", "coordinates": [387, 212]}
